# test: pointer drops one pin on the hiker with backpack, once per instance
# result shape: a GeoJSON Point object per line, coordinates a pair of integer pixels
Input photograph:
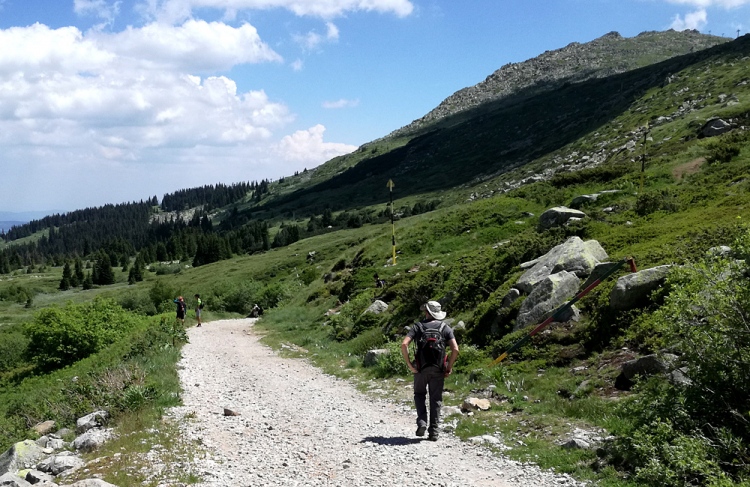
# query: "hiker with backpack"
{"type": "Point", "coordinates": [198, 308]}
{"type": "Point", "coordinates": [431, 364]}
{"type": "Point", "coordinates": [181, 309]}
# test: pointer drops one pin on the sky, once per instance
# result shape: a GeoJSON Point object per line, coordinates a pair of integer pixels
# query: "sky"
{"type": "Point", "coordinates": [113, 101]}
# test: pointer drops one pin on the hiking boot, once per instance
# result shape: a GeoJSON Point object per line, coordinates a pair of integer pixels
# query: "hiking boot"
{"type": "Point", "coordinates": [433, 437]}
{"type": "Point", "coordinates": [421, 429]}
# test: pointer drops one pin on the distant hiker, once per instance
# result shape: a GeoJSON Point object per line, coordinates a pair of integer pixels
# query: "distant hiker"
{"type": "Point", "coordinates": [198, 308]}
{"type": "Point", "coordinates": [431, 365]}
{"type": "Point", "coordinates": [378, 281]}
{"type": "Point", "coordinates": [256, 311]}
{"type": "Point", "coordinates": [181, 309]}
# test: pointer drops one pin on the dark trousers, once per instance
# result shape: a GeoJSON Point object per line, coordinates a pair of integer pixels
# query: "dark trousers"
{"type": "Point", "coordinates": [431, 378]}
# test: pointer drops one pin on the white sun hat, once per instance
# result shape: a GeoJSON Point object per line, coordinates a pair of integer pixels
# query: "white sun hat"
{"type": "Point", "coordinates": [434, 309]}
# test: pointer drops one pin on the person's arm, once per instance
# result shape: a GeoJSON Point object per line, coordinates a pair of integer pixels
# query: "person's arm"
{"type": "Point", "coordinates": [405, 354]}
{"type": "Point", "coordinates": [453, 356]}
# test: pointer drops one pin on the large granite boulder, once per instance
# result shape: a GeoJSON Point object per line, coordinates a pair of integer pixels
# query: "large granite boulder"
{"type": "Point", "coordinates": [574, 256]}
{"type": "Point", "coordinates": [22, 455]}
{"type": "Point", "coordinates": [547, 295]}
{"type": "Point", "coordinates": [558, 216]}
{"type": "Point", "coordinates": [642, 367]}
{"type": "Point", "coordinates": [633, 290]}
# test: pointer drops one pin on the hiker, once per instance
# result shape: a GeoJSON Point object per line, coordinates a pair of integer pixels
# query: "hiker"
{"type": "Point", "coordinates": [378, 281]}
{"type": "Point", "coordinates": [198, 308]}
{"type": "Point", "coordinates": [431, 366]}
{"type": "Point", "coordinates": [256, 311]}
{"type": "Point", "coordinates": [181, 308]}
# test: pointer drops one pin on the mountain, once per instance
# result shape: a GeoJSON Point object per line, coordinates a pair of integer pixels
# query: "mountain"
{"type": "Point", "coordinates": [518, 122]}
{"type": "Point", "coordinates": [606, 56]}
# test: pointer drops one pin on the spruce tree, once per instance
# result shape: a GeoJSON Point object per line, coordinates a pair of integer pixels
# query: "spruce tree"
{"type": "Point", "coordinates": [66, 276]}
{"type": "Point", "coordinates": [88, 282]}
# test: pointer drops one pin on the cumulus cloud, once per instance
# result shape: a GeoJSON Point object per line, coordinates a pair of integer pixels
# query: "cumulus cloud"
{"type": "Point", "coordinates": [97, 8]}
{"type": "Point", "coordinates": [179, 10]}
{"type": "Point", "coordinates": [694, 20]}
{"type": "Point", "coordinates": [342, 103]}
{"type": "Point", "coordinates": [308, 147]}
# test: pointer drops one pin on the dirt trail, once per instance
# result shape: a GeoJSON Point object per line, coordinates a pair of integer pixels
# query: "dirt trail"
{"type": "Point", "coordinates": [299, 427]}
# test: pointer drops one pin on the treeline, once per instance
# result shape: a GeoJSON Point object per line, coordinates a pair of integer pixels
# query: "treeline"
{"type": "Point", "coordinates": [212, 196]}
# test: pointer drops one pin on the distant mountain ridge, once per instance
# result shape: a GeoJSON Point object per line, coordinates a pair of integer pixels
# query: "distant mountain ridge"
{"type": "Point", "coordinates": [605, 56]}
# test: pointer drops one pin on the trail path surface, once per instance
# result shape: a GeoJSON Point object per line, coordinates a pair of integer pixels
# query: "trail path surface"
{"type": "Point", "coordinates": [299, 427]}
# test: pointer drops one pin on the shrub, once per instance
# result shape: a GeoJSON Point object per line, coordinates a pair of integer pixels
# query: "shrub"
{"type": "Point", "coordinates": [653, 201]}
{"type": "Point", "coordinates": [61, 336]}
{"type": "Point", "coordinates": [391, 364]}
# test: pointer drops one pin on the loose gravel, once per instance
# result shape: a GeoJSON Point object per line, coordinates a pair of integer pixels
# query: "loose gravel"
{"type": "Point", "coordinates": [299, 427]}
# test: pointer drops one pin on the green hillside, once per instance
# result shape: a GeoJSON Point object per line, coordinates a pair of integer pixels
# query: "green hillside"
{"type": "Point", "coordinates": [469, 192]}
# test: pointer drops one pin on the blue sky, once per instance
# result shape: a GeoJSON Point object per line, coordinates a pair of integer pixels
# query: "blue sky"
{"type": "Point", "coordinates": [111, 101]}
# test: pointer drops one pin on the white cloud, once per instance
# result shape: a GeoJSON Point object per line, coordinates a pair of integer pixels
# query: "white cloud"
{"type": "Point", "coordinates": [297, 65]}
{"type": "Point", "coordinates": [312, 40]}
{"type": "Point", "coordinates": [196, 45]}
{"type": "Point", "coordinates": [694, 20]}
{"type": "Point", "coordinates": [308, 147]}
{"type": "Point", "coordinates": [712, 3]}
{"type": "Point", "coordinates": [342, 103]}
{"type": "Point", "coordinates": [98, 8]}
{"type": "Point", "coordinates": [179, 10]}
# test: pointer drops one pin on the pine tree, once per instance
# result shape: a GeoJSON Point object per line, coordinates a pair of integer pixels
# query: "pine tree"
{"type": "Point", "coordinates": [88, 282]}
{"type": "Point", "coordinates": [103, 270]}
{"type": "Point", "coordinates": [66, 276]}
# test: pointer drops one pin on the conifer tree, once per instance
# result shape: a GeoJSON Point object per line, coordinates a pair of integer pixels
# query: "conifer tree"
{"type": "Point", "coordinates": [66, 276]}
{"type": "Point", "coordinates": [88, 282]}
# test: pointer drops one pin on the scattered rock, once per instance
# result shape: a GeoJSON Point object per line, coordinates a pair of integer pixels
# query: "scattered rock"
{"type": "Point", "coordinates": [44, 427]}
{"type": "Point", "coordinates": [547, 296]}
{"type": "Point", "coordinates": [574, 255]}
{"type": "Point", "coordinates": [12, 480]}
{"type": "Point", "coordinates": [229, 412]}
{"type": "Point", "coordinates": [633, 290]}
{"type": "Point", "coordinates": [24, 454]}
{"type": "Point", "coordinates": [376, 307]}
{"type": "Point", "coordinates": [372, 357]}
{"type": "Point", "coordinates": [93, 420]}
{"type": "Point", "coordinates": [475, 403]}
{"type": "Point", "coordinates": [93, 439]}
{"type": "Point", "coordinates": [57, 464]}
{"type": "Point", "coordinates": [557, 216]}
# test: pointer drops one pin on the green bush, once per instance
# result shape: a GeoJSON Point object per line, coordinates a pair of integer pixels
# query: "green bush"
{"type": "Point", "coordinates": [13, 345]}
{"type": "Point", "coordinates": [368, 340]}
{"type": "Point", "coordinates": [59, 337]}
{"type": "Point", "coordinates": [392, 364]}
{"type": "Point", "coordinates": [653, 201]}
{"type": "Point", "coordinates": [707, 419]}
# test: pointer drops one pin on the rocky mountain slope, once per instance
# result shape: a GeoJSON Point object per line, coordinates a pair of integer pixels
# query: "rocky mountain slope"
{"type": "Point", "coordinates": [603, 57]}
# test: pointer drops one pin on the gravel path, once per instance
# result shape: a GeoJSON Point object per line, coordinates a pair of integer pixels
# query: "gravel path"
{"type": "Point", "coordinates": [299, 427]}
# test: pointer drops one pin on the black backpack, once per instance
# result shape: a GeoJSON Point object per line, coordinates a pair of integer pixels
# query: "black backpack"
{"type": "Point", "coordinates": [430, 345]}
{"type": "Point", "coordinates": [200, 306]}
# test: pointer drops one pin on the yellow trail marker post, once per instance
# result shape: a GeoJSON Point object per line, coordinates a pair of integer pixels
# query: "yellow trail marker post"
{"type": "Point", "coordinates": [393, 225]}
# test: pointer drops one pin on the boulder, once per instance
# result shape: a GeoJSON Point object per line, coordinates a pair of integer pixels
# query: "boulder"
{"type": "Point", "coordinates": [574, 255]}
{"type": "Point", "coordinates": [24, 454]}
{"type": "Point", "coordinates": [44, 428]}
{"type": "Point", "coordinates": [715, 127]}
{"type": "Point", "coordinates": [92, 439]}
{"type": "Point", "coordinates": [547, 296]}
{"type": "Point", "coordinates": [13, 480]}
{"type": "Point", "coordinates": [475, 403]}
{"type": "Point", "coordinates": [557, 216]}
{"type": "Point", "coordinates": [93, 420]}
{"type": "Point", "coordinates": [633, 290]}
{"type": "Point", "coordinates": [376, 307]}
{"type": "Point", "coordinates": [35, 476]}
{"type": "Point", "coordinates": [57, 464]}
{"type": "Point", "coordinates": [640, 367]}
{"type": "Point", "coordinates": [372, 357]}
